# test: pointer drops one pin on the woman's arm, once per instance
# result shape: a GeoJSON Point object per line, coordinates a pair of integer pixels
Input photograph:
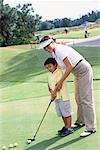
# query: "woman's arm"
{"type": "Point", "coordinates": [66, 73]}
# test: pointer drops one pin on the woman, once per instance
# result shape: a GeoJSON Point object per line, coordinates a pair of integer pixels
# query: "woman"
{"type": "Point", "coordinates": [73, 62]}
{"type": "Point", "coordinates": [80, 119]}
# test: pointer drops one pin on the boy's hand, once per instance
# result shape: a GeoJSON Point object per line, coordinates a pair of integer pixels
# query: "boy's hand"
{"type": "Point", "coordinates": [53, 95]}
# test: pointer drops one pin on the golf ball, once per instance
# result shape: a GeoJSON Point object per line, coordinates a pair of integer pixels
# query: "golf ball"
{"type": "Point", "coordinates": [28, 141]}
{"type": "Point", "coordinates": [3, 147]}
{"type": "Point", "coordinates": [11, 146]}
{"type": "Point", "coordinates": [15, 144]}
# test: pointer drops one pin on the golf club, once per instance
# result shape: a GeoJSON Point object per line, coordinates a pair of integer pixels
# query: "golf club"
{"type": "Point", "coordinates": [33, 139]}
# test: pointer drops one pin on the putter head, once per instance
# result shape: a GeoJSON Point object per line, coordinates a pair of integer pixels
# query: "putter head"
{"type": "Point", "coordinates": [29, 141]}
{"type": "Point", "coordinates": [32, 139]}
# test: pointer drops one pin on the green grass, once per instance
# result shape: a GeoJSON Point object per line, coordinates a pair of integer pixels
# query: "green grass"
{"type": "Point", "coordinates": [19, 120]}
{"type": "Point", "coordinates": [22, 69]}
{"type": "Point", "coordinates": [78, 34]}
{"type": "Point", "coordinates": [75, 32]}
{"type": "Point", "coordinates": [24, 98]}
{"type": "Point", "coordinates": [92, 54]}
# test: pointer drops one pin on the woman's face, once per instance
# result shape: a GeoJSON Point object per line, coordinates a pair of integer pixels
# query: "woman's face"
{"type": "Point", "coordinates": [49, 48]}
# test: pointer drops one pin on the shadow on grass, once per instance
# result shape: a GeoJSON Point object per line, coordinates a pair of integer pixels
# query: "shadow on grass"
{"type": "Point", "coordinates": [22, 67]}
{"type": "Point", "coordinates": [66, 144]}
{"type": "Point", "coordinates": [45, 144]}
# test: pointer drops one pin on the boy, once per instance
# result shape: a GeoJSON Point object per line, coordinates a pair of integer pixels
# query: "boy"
{"type": "Point", "coordinates": [62, 102]}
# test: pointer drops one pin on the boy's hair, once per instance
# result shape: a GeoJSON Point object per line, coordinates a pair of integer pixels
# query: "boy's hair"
{"type": "Point", "coordinates": [50, 61]}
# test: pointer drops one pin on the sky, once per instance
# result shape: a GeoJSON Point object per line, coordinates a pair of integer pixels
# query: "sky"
{"type": "Point", "coordinates": [53, 9]}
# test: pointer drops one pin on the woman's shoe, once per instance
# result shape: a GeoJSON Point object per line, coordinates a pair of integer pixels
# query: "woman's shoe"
{"type": "Point", "coordinates": [87, 133]}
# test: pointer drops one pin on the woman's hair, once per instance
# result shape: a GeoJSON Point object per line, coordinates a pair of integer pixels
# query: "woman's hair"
{"type": "Point", "coordinates": [50, 61]}
{"type": "Point", "coordinates": [45, 38]}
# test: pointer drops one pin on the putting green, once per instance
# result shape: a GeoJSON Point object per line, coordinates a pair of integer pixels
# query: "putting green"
{"type": "Point", "coordinates": [24, 98]}
{"type": "Point", "coordinates": [19, 121]}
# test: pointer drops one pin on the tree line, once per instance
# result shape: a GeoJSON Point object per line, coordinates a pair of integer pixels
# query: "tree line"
{"type": "Point", "coordinates": [65, 22]}
{"type": "Point", "coordinates": [19, 24]}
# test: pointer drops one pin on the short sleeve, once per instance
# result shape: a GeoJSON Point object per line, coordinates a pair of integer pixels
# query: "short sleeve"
{"type": "Point", "coordinates": [62, 53]}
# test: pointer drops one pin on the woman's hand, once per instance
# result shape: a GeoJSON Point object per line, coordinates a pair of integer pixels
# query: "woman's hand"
{"type": "Point", "coordinates": [58, 86]}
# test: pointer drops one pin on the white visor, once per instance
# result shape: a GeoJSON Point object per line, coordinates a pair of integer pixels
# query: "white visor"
{"type": "Point", "coordinates": [45, 43]}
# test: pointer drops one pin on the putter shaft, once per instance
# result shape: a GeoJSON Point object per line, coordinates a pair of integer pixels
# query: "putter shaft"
{"type": "Point", "coordinates": [33, 139]}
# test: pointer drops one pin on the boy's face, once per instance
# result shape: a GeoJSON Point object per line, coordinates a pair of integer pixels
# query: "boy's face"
{"type": "Point", "coordinates": [51, 67]}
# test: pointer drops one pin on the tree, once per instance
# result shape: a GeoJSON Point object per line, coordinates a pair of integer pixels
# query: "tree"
{"type": "Point", "coordinates": [5, 19]}
{"type": "Point", "coordinates": [17, 25]}
{"type": "Point", "coordinates": [26, 24]}
{"type": "Point", "coordinates": [66, 22]}
{"type": "Point", "coordinates": [46, 25]}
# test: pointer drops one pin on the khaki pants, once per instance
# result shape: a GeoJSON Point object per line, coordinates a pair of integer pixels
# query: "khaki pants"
{"type": "Point", "coordinates": [86, 112]}
{"type": "Point", "coordinates": [80, 118]}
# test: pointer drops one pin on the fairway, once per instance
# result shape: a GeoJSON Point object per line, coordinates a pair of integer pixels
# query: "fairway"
{"type": "Point", "coordinates": [24, 98]}
{"type": "Point", "coordinates": [20, 119]}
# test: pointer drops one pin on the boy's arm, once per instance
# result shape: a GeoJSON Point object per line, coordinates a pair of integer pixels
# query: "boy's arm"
{"type": "Point", "coordinates": [53, 93]}
{"type": "Point", "coordinates": [60, 74]}
{"type": "Point", "coordinates": [49, 88]}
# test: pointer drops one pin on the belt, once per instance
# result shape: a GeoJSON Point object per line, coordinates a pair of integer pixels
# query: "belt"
{"type": "Point", "coordinates": [77, 63]}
